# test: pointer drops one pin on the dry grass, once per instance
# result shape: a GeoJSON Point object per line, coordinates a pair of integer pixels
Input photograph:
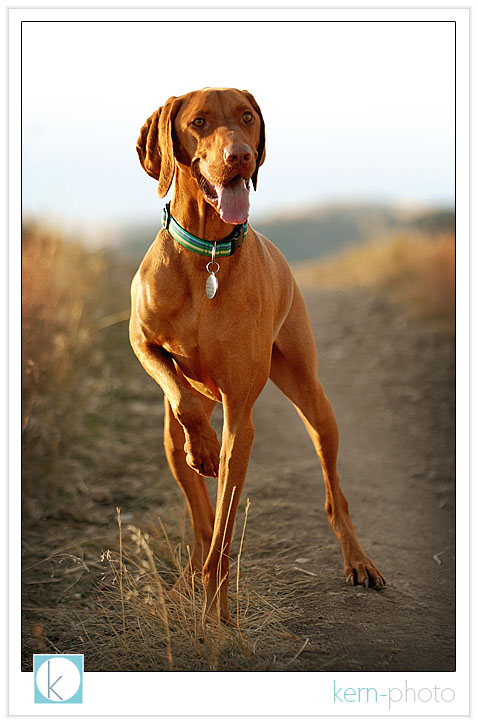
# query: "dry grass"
{"type": "Point", "coordinates": [415, 271]}
{"type": "Point", "coordinates": [129, 619]}
{"type": "Point", "coordinates": [155, 628]}
{"type": "Point", "coordinates": [60, 290]}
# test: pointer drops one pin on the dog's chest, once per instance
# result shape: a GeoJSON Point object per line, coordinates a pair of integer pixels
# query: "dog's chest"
{"type": "Point", "coordinates": [210, 347]}
{"type": "Point", "coordinates": [215, 342]}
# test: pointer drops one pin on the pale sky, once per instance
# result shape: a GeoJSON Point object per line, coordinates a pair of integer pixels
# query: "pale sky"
{"type": "Point", "coordinates": [354, 111]}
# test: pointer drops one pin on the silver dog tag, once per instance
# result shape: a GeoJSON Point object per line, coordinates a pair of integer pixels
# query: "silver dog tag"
{"type": "Point", "coordinates": [211, 286]}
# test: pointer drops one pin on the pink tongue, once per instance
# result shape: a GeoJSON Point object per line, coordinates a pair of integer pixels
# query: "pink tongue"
{"type": "Point", "coordinates": [233, 201]}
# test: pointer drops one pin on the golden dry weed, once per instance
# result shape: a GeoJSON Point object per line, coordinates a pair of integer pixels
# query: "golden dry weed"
{"type": "Point", "coordinates": [60, 289]}
{"type": "Point", "coordinates": [413, 270]}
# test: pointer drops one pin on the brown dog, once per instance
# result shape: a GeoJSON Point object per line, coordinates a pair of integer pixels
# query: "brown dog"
{"type": "Point", "coordinates": [222, 347]}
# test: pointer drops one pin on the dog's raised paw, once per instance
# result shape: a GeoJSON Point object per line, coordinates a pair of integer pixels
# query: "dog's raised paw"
{"type": "Point", "coordinates": [202, 454]}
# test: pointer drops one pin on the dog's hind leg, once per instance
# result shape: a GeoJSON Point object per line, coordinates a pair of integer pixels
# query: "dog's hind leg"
{"type": "Point", "coordinates": [191, 483]}
{"type": "Point", "coordinates": [294, 371]}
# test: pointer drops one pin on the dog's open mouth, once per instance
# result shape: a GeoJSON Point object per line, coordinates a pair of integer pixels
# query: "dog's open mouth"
{"type": "Point", "coordinates": [231, 200]}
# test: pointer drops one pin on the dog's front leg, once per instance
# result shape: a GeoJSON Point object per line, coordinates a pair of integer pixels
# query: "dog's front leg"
{"type": "Point", "coordinates": [237, 439]}
{"type": "Point", "coordinates": [202, 446]}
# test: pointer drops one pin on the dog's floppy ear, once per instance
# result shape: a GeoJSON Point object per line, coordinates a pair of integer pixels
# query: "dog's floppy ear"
{"type": "Point", "coordinates": [155, 145]}
{"type": "Point", "coordinates": [261, 149]}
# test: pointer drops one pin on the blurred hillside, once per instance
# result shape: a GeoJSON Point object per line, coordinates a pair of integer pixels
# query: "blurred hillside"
{"type": "Point", "coordinates": [315, 232]}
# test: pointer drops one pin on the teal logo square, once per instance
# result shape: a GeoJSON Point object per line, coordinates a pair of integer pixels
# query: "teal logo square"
{"type": "Point", "coordinates": [58, 678]}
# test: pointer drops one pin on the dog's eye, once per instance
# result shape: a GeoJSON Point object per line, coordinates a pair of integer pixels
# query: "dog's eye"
{"type": "Point", "coordinates": [199, 122]}
{"type": "Point", "coordinates": [247, 117]}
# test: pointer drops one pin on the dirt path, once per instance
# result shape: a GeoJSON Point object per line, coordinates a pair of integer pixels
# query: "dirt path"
{"type": "Point", "coordinates": [391, 384]}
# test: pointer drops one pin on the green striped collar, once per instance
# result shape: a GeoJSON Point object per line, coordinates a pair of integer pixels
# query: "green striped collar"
{"type": "Point", "coordinates": [224, 247]}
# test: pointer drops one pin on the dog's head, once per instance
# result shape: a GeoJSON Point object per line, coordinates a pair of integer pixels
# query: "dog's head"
{"type": "Point", "coordinates": [216, 133]}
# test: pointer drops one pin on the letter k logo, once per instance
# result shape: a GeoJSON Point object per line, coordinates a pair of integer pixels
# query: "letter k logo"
{"type": "Point", "coordinates": [50, 686]}
{"type": "Point", "coordinates": [58, 678]}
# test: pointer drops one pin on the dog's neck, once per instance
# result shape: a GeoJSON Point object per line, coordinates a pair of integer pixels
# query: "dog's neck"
{"type": "Point", "coordinates": [192, 211]}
